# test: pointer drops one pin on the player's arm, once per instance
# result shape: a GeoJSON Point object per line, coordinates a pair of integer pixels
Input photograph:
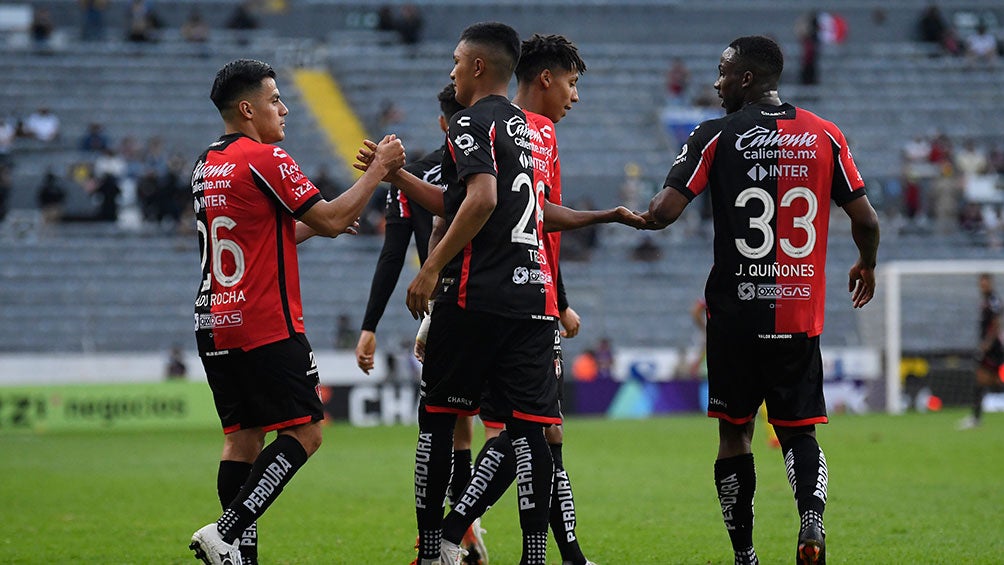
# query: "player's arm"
{"type": "Point", "coordinates": [425, 194]}
{"type": "Point", "coordinates": [472, 215]}
{"type": "Point", "coordinates": [865, 231]}
{"type": "Point", "coordinates": [334, 217]}
{"type": "Point", "coordinates": [439, 226]}
{"type": "Point", "coordinates": [305, 232]}
{"type": "Point", "coordinates": [665, 208]}
{"type": "Point", "coordinates": [388, 269]}
{"type": "Point", "coordinates": [563, 218]}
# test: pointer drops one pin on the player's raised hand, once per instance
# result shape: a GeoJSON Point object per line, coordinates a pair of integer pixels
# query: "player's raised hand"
{"type": "Point", "coordinates": [861, 284]}
{"type": "Point", "coordinates": [389, 153]}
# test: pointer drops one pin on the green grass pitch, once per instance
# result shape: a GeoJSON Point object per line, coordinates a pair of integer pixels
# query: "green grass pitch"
{"type": "Point", "coordinates": [903, 489]}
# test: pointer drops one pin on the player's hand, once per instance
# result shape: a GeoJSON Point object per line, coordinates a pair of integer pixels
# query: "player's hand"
{"type": "Point", "coordinates": [365, 350]}
{"type": "Point", "coordinates": [351, 230]}
{"type": "Point", "coordinates": [422, 336]}
{"type": "Point", "coordinates": [650, 222]}
{"type": "Point", "coordinates": [861, 284]}
{"type": "Point", "coordinates": [419, 293]}
{"type": "Point", "coordinates": [570, 321]}
{"type": "Point", "coordinates": [389, 154]}
{"type": "Point", "coordinates": [629, 218]}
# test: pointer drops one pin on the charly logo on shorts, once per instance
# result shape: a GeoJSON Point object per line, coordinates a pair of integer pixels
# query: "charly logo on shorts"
{"type": "Point", "coordinates": [520, 275]}
{"type": "Point", "coordinates": [747, 291]}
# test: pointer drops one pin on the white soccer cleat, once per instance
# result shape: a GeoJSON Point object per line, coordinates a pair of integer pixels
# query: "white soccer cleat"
{"type": "Point", "coordinates": [451, 553]}
{"type": "Point", "coordinates": [212, 550]}
{"type": "Point", "coordinates": [474, 543]}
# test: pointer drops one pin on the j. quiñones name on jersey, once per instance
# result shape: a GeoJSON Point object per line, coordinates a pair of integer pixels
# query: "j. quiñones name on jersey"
{"type": "Point", "coordinates": [247, 196]}
{"type": "Point", "coordinates": [503, 270]}
{"type": "Point", "coordinates": [771, 171]}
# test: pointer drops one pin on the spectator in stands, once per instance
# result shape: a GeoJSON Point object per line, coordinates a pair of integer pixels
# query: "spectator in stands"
{"type": "Point", "coordinates": [391, 116]}
{"type": "Point", "coordinates": [242, 18]}
{"type": "Point", "coordinates": [807, 30]}
{"type": "Point", "coordinates": [93, 19]}
{"type": "Point", "coordinates": [142, 23]}
{"type": "Point", "coordinates": [981, 46]}
{"type": "Point", "coordinates": [677, 82]}
{"type": "Point", "coordinates": [932, 28]}
{"type": "Point", "coordinates": [385, 19]}
{"type": "Point", "coordinates": [50, 196]}
{"type": "Point", "coordinates": [410, 24]}
{"type": "Point", "coordinates": [42, 124]}
{"type": "Point", "coordinates": [941, 149]}
{"type": "Point", "coordinates": [195, 29]}
{"type": "Point", "coordinates": [94, 140]}
{"type": "Point", "coordinates": [176, 368]}
{"type": "Point", "coordinates": [996, 159]}
{"type": "Point", "coordinates": [345, 335]}
{"type": "Point", "coordinates": [328, 185]}
{"type": "Point", "coordinates": [41, 28]}
{"type": "Point", "coordinates": [8, 131]}
{"type": "Point", "coordinates": [5, 188]}
{"type": "Point", "coordinates": [604, 355]}
{"type": "Point", "coordinates": [971, 159]}
{"type": "Point", "coordinates": [946, 199]}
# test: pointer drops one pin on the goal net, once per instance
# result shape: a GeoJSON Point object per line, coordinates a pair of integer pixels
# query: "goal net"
{"type": "Point", "coordinates": [925, 320]}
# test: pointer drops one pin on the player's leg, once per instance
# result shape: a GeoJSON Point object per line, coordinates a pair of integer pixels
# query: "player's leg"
{"type": "Point", "coordinates": [240, 449]}
{"type": "Point", "coordinates": [459, 348]}
{"type": "Point", "coordinates": [494, 470]}
{"type": "Point", "coordinates": [562, 517]}
{"type": "Point", "coordinates": [796, 404]}
{"type": "Point", "coordinates": [463, 436]}
{"type": "Point", "coordinates": [985, 379]}
{"type": "Point", "coordinates": [733, 398]}
{"type": "Point", "coordinates": [279, 383]}
{"type": "Point", "coordinates": [526, 377]}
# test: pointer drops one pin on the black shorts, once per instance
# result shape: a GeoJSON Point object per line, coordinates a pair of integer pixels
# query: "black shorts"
{"type": "Point", "coordinates": [494, 411]}
{"type": "Point", "coordinates": [993, 358]}
{"type": "Point", "coordinates": [467, 352]}
{"type": "Point", "coordinates": [272, 387]}
{"type": "Point", "coordinates": [744, 370]}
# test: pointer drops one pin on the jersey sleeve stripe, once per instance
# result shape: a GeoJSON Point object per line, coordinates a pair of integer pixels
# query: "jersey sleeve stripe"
{"type": "Point", "coordinates": [261, 182]}
{"type": "Point", "coordinates": [306, 206]}
{"type": "Point", "coordinates": [840, 162]}
{"type": "Point", "coordinates": [705, 162]}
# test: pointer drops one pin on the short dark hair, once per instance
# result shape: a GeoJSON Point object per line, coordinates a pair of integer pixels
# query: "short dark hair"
{"type": "Point", "coordinates": [547, 52]}
{"type": "Point", "coordinates": [448, 101]}
{"type": "Point", "coordinates": [761, 55]}
{"type": "Point", "coordinates": [236, 79]}
{"type": "Point", "coordinates": [501, 39]}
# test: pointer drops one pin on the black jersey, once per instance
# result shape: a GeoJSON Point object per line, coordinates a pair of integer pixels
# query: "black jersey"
{"type": "Point", "coordinates": [404, 218]}
{"type": "Point", "coordinates": [990, 310]}
{"type": "Point", "coordinates": [499, 271]}
{"type": "Point", "coordinates": [771, 171]}
{"type": "Point", "coordinates": [399, 207]}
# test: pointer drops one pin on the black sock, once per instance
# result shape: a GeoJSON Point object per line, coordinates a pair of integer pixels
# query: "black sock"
{"type": "Point", "coordinates": [735, 480]}
{"type": "Point", "coordinates": [563, 511]}
{"type": "Point", "coordinates": [461, 473]}
{"type": "Point", "coordinates": [534, 473]}
{"type": "Point", "coordinates": [433, 460]}
{"type": "Point", "coordinates": [229, 480]}
{"type": "Point", "coordinates": [978, 395]}
{"type": "Point", "coordinates": [806, 466]}
{"type": "Point", "coordinates": [494, 471]}
{"type": "Point", "coordinates": [272, 470]}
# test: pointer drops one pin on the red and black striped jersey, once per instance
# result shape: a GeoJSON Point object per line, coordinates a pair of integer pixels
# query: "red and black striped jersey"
{"type": "Point", "coordinates": [547, 169]}
{"type": "Point", "coordinates": [771, 172]}
{"type": "Point", "coordinates": [502, 270]}
{"type": "Point", "coordinates": [247, 198]}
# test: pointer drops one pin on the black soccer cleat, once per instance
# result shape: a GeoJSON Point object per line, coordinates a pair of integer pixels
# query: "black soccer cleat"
{"type": "Point", "coordinates": [811, 546]}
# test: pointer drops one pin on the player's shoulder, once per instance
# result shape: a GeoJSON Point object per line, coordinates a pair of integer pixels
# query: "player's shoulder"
{"type": "Point", "coordinates": [543, 124]}
{"type": "Point", "coordinates": [821, 122]}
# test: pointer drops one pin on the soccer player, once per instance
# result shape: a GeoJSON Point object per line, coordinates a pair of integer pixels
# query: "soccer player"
{"type": "Point", "coordinates": [990, 351]}
{"type": "Point", "coordinates": [404, 218]}
{"type": "Point", "coordinates": [248, 195]}
{"type": "Point", "coordinates": [547, 76]}
{"type": "Point", "coordinates": [771, 169]}
{"type": "Point", "coordinates": [492, 323]}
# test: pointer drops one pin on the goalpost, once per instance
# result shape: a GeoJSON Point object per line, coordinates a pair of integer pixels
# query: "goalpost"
{"type": "Point", "coordinates": [891, 277]}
